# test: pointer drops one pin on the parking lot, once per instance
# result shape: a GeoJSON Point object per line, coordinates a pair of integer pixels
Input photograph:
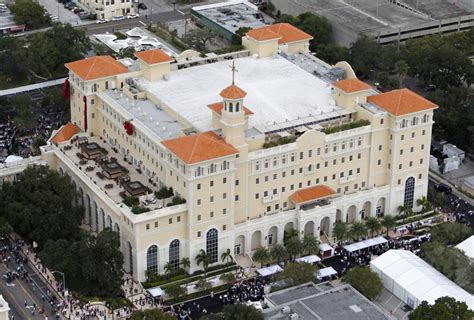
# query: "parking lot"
{"type": "Point", "coordinates": [57, 9]}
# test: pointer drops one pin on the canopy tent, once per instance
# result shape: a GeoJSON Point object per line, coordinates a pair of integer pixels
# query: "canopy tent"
{"type": "Point", "coordinates": [309, 259]}
{"type": "Point", "coordinates": [365, 244]}
{"type": "Point", "coordinates": [413, 280]}
{"type": "Point", "coordinates": [12, 158]}
{"type": "Point", "coordinates": [326, 272]}
{"type": "Point", "coordinates": [468, 247]}
{"type": "Point", "coordinates": [156, 292]}
{"type": "Point", "coordinates": [326, 250]}
{"type": "Point", "coordinates": [268, 271]}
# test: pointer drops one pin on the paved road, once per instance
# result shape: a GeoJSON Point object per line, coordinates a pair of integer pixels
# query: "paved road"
{"type": "Point", "coordinates": [132, 23]}
{"type": "Point", "coordinates": [19, 291]}
{"type": "Point", "coordinates": [434, 178]}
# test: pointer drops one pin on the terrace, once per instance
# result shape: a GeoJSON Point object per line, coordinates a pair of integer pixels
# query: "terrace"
{"type": "Point", "coordinates": [118, 179]}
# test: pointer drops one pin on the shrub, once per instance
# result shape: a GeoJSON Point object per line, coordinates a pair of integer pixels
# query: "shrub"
{"type": "Point", "coordinates": [347, 126]}
{"type": "Point", "coordinates": [131, 201]}
{"type": "Point", "coordinates": [365, 281]}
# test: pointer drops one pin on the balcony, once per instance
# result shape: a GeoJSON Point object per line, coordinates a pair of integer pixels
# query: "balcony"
{"type": "Point", "coordinates": [271, 198]}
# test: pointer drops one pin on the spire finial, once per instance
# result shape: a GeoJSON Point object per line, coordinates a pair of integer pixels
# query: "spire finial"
{"type": "Point", "coordinates": [234, 70]}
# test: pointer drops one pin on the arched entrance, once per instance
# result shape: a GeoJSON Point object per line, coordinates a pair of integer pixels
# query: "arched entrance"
{"type": "Point", "coordinates": [88, 210]}
{"type": "Point", "coordinates": [351, 214]}
{"type": "Point", "coordinates": [365, 212]}
{"type": "Point", "coordinates": [256, 240]}
{"type": "Point", "coordinates": [338, 215]}
{"type": "Point", "coordinates": [272, 236]}
{"type": "Point", "coordinates": [289, 231]}
{"type": "Point", "coordinates": [109, 222]}
{"type": "Point", "coordinates": [81, 197]}
{"type": "Point", "coordinates": [130, 257]}
{"type": "Point", "coordinates": [380, 207]}
{"type": "Point", "coordinates": [102, 219]}
{"type": "Point", "coordinates": [324, 226]}
{"type": "Point", "coordinates": [239, 245]}
{"type": "Point", "coordinates": [309, 228]}
{"type": "Point", "coordinates": [95, 222]}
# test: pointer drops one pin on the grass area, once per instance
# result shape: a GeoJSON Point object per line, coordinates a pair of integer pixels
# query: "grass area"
{"type": "Point", "coordinates": [347, 126]}
{"type": "Point", "coordinates": [279, 142]}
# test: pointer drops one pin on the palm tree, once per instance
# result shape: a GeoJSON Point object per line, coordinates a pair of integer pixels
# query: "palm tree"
{"type": "Point", "coordinates": [294, 247]}
{"type": "Point", "coordinates": [405, 211]}
{"type": "Point", "coordinates": [287, 235]}
{"type": "Point", "coordinates": [261, 255]}
{"type": "Point", "coordinates": [169, 268]}
{"type": "Point", "coordinates": [340, 230]}
{"type": "Point", "coordinates": [310, 244]}
{"type": "Point", "coordinates": [203, 258]}
{"type": "Point", "coordinates": [389, 222]}
{"type": "Point", "coordinates": [425, 204]}
{"type": "Point", "coordinates": [373, 225]}
{"type": "Point", "coordinates": [401, 68]}
{"type": "Point", "coordinates": [278, 252]}
{"type": "Point", "coordinates": [358, 230]}
{"type": "Point", "coordinates": [185, 263]}
{"type": "Point", "coordinates": [226, 257]}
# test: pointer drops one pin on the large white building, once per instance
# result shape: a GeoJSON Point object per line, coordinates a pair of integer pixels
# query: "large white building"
{"type": "Point", "coordinates": [271, 141]}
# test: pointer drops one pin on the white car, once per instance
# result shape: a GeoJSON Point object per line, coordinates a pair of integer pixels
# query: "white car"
{"type": "Point", "coordinates": [102, 21]}
{"type": "Point", "coordinates": [133, 16]}
{"type": "Point", "coordinates": [54, 18]}
{"type": "Point", "coordinates": [118, 18]}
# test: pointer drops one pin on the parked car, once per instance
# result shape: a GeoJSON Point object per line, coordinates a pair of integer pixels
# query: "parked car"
{"type": "Point", "coordinates": [118, 18]}
{"type": "Point", "coordinates": [133, 16]}
{"type": "Point", "coordinates": [83, 15]}
{"type": "Point", "coordinates": [69, 5]}
{"type": "Point", "coordinates": [77, 10]}
{"type": "Point", "coordinates": [143, 6]}
{"type": "Point", "coordinates": [440, 187]}
{"type": "Point", "coordinates": [54, 18]}
{"type": "Point", "coordinates": [102, 21]}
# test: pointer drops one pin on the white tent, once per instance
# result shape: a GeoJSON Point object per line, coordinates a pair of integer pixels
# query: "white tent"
{"type": "Point", "coordinates": [326, 272]}
{"type": "Point", "coordinates": [413, 280]}
{"type": "Point", "coordinates": [324, 247]}
{"type": "Point", "coordinates": [156, 292]}
{"type": "Point", "coordinates": [365, 244]}
{"type": "Point", "coordinates": [268, 271]}
{"type": "Point", "coordinates": [309, 259]}
{"type": "Point", "coordinates": [468, 247]}
{"type": "Point", "coordinates": [12, 158]}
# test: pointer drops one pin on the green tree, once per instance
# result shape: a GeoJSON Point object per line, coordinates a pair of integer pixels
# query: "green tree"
{"type": "Point", "coordinates": [169, 268]}
{"type": "Point", "coordinates": [237, 37]}
{"type": "Point", "coordinates": [203, 258]}
{"type": "Point", "coordinates": [5, 227]}
{"type": "Point", "coordinates": [33, 203]}
{"type": "Point", "coordinates": [294, 247]}
{"type": "Point", "coordinates": [30, 13]}
{"type": "Point", "coordinates": [278, 252]}
{"type": "Point", "coordinates": [340, 231]}
{"type": "Point", "coordinates": [373, 225]}
{"type": "Point", "coordinates": [203, 284]}
{"type": "Point", "coordinates": [287, 235]}
{"type": "Point", "coordinates": [226, 256]}
{"type": "Point", "coordinates": [185, 263]}
{"type": "Point", "coordinates": [53, 100]}
{"type": "Point", "coordinates": [241, 311]}
{"type": "Point", "coordinates": [401, 68]}
{"type": "Point", "coordinates": [365, 281]}
{"type": "Point", "coordinates": [445, 308]}
{"type": "Point", "coordinates": [199, 38]}
{"type": "Point", "coordinates": [298, 273]}
{"type": "Point", "coordinates": [127, 52]}
{"type": "Point", "coordinates": [405, 211]}
{"type": "Point", "coordinates": [261, 255]}
{"type": "Point", "coordinates": [450, 233]}
{"type": "Point", "coordinates": [358, 230]}
{"type": "Point", "coordinates": [310, 244]}
{"type": "Point", "coordinates": [175, 291]}
{"type": "Point", "coordinates": [151, 314]}
{"type": "Point", "coordinates": [227, 277]}
{"type": "Point", "coordinates": [389, 222]}
{"type": "Point", "coordinates": [332, 54]}
{"type": "Point", "coordinates": [424, 203]}
{"type": "Point", "coordinates": [365, 56]}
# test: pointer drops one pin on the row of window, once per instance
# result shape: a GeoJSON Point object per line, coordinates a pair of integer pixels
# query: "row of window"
{"type": "Point", "coordinates": [170, 221]}
{"type": "Point", "coordinates": [414, 121]}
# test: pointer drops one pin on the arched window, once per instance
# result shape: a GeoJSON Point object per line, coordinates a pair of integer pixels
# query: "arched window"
{"type": "Point", "coordinates": [130, 257]}
{"type": "Point", "coordinates": [102, 216]}
{"type": "Point", "coordinates": [152, 259]}
{"type": "Point", "coordinates": [212, 244]}
{"type": "Point", "coordinates": [174, 254]}
{"type": "Point", "coordinates": [109, 222]}
{"type": "Point", "coordinates": [409, 192]}
{"type": "Point", "coordinates": [231, 107]}
{"type": "Point", "coordinates": [212, 168]}
{"type": "Point", "coordinates": [237, 107]}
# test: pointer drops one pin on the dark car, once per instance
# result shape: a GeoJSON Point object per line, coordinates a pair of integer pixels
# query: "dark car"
{"type": "Point", "coordinates": [440, 187]}
{"type": "Point", "coordinates": [143, 6]}
{"type": "Point", "coordinates": [69, 5]}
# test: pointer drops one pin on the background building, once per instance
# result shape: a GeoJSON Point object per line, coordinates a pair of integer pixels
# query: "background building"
{"type": "Point", "coordinates": [386, 20]}
{"type": "Point", "coordinates": [108, 9]}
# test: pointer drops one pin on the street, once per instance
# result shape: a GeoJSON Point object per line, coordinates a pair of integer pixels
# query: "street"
{"type": "Point", "coordinates": [25, 297]}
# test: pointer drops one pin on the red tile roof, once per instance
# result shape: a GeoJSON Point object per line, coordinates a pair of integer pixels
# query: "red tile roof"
{"type": "Point", "coordinates": [153, 56]}
{"type": "Point", "coordinates": [401, 102]}
{"type": "Point", "coordinates": [65, 133]}
{"type": "Point", "coordinates": [200, 147]}
{"type": "Point", "coordinates": [218, 106]}
{"type": "Point", "coordinates": [351, 85]}
{"type": "Point", "coordinates": [311, 193]}
{"type": "Point", "coordinates": [285, 32]}
{"type": "Point", "coordinates": [233, 92]}
{"type": "Point", "coordinates": [96, 67]}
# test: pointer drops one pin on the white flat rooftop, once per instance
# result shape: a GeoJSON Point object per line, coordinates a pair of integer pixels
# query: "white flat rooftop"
{"type": "Point", "coordinates": [277, 91]}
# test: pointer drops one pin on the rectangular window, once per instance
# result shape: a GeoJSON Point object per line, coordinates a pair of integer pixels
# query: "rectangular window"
{"type": "Point", "coordinates": [379, 162]}
{"type": "Point", "coordinates": [400, 166]}
{"type": "Point", "coordinates": [199, 186]}
{"type": "Point", "coordinates": [170, 220]}
{"type": "Point", "coordinates": [236, 182]}
{"type": "Point", "coordinates": [224, 227]}
{"type": "Point", "coordinates": [178, 218]}
{"type": "Point", "coordinates": [224, 180]}
{"type": "Point", "coordinates": [334, 176]}
{"type": "Point", "coordinates": [257, 196]}
{"type": "Point", "coordinates": [224, 211]}
{"type": "Point", "coordinates": [211, 183]}
{"type": "Point", "coordinates": [422, 147]}
{"type": "Point", "coordinates": [199, 234]}
{"type": "Point", "coordinates": [401, 151]}
{"type": "Point", "coordinates": [419, 176]}
{"type": "Point", "coordinates": [412, 134]}
{"type": "Point", "coordinates": [380, 147]}
{"type": "Point", "coordinates": [301, 155]}
{"type": "Point", "coordinates": [211, 214]}
{"type": "Point", "coordinates": [148, 226]}
{"type": "Point", "coordinates": [310, 153]}
{"type": "Point", "coordinates": [325, 164]}
{"type": "Point", "coordinates": [257, 181]}
{"type": "Point", "coordinates": [334, 161]}
{"type": "Point", "coordinates": [198, 202]}
{"type": "Point", "coordinates": [224, 196]}
{"type": "Point", "coordinates": [156, 224]}
{"type": "Point", "coordinates": [421, 161]}
{"type": "Point", "coordinates": [381, 121]}
{"type": "Point", "coordinates": [403, 137]}
{"type": "Point", "coordinates": [411, 164]}
{"type": "Point", "coordinates": [236, 198]}
{"type": "Point", "coordinates": [317, 181]}
{"type": "Point", "coordinates": [359, 155]}
{"type": "Point", "coordinates": [266, 178]}
{"type": "Point", "coordinates": [211, 199]}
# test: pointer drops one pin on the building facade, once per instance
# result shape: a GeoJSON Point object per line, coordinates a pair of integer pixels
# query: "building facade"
{"type": "Point", "coordinates": [274, 141]}
{"type": "Point", "coordinates": [108, 9]}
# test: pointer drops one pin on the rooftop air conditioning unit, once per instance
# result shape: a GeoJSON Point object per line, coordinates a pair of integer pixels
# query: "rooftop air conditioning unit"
{"type": "Point", "coordinates": [293, 316]}
{"type": "Point", "coordinates": [286, 310]}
